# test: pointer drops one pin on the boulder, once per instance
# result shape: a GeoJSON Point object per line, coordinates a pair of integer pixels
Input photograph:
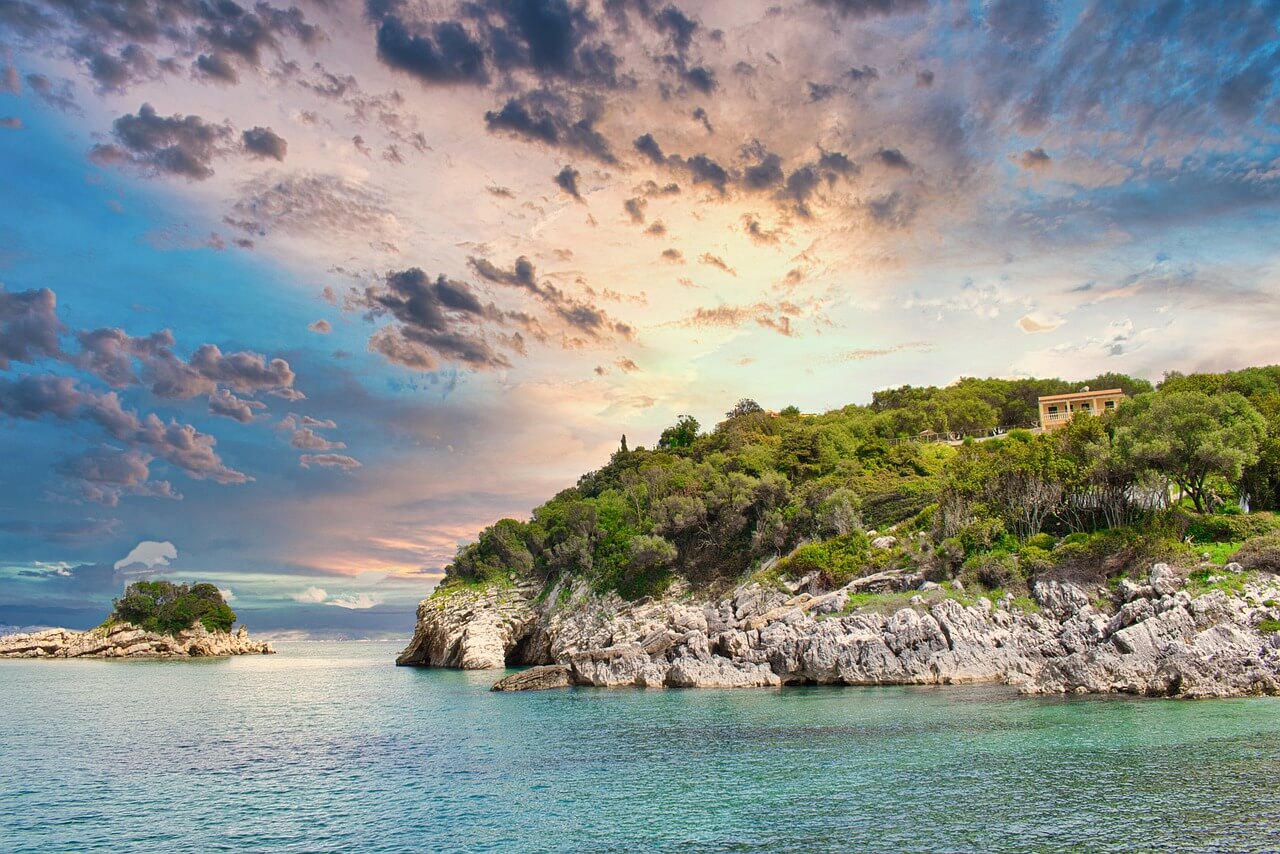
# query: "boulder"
{"type": "Point", "coordinates": [541, 678]}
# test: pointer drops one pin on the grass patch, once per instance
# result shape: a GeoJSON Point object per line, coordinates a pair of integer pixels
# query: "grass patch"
{"type": "Point", "coordinates": [1219, 553]}
{"type": "Point", "coordinates": [1269, 626]}
{"type": "Point", "coordinates": [1207, 579]}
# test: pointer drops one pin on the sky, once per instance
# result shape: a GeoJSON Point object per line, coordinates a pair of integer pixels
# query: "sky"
{"type": "Point", "coordinates": [296, 299]}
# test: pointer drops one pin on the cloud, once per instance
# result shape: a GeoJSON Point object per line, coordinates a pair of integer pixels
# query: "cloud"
{"type": "Point", "coordinates": [340, 461]}
{"type": "Point", "coordinates": [1035, 158]}
{"type": "Point", "coordinates": [717, 262]}
{"type": "Point", "coordinates": [321, 327]}
{"type": "Point", "coordinates": [310, 596]}
{"type": "Point", "coordinates": [264, 142]}
{"type": "Point", "coordinates": [306, 439]}
{"type": "Point", "coordinates": [10, 122]}
{"type": "Point", "coordinates": [892, 158]}
{"type": "Point", "coordinates": [552, 119]}
{"type": "Point", "coordinates": [437, 320]}
{"type": "Point", "coordinates": [567, 179]}
{"type": "Point", "coordinates": [308, 203]}
{"type": "Point", "coordinates": [355, 601]}
{"type": "Point", "coordinates": [106, 475]}
{"type": "Point", "coordinates": [1031, 323]}
{"type": "Point", "coordinates": [445, 53]}
{"type": "Point", "coordinates": [148, 555]}
{"type": "Point", "coordinates": [29, 326]}
{"type": "Point", "coordinates": [869, 8]}
{"type": "Point", "coordinates": [178, 145]}
{"type": "Point", "coordinates": [58, 95]}
{"type": "Point", "coordinates": [223, 402]}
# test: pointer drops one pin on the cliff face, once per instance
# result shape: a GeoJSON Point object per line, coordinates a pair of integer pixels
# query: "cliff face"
{"type": "Point", "coordinates": [1154, 639]}
{"type": "Point", "coordinates": [123, 640]}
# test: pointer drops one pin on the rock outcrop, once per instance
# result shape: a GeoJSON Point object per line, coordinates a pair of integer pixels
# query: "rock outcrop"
{"type": "Point", "coordinates": [1151, 639]}
{"type": "Point", "coordinates": [123, 640]}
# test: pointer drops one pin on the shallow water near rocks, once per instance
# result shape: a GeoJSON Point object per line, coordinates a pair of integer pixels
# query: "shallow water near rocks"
{"type": "Point", "coordinates": [328, 747]}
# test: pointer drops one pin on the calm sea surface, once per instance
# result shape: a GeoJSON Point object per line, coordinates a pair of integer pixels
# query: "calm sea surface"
{"type": "Point", "coordinates": [328, 747]}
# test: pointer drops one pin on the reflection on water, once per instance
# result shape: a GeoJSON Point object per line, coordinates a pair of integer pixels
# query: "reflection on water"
{"type": "Point", "coordinates": [327, 746]}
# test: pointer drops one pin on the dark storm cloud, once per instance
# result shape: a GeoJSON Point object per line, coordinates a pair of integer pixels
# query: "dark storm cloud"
{"type": "Point", "coordinates": [567, 179]}
{"type": "Point", "coordinates": [635, 209]}
{"type": "Point", "coordinates": [865, 74]}
{"type": "Point", "coordinates": [679, 27]}
{"type": "Point", "coordinates": [521, 275]}
{"type": "Point", "coordinates": [763, 175]}
{"type": "Point", "coordinates": [892, 158]}
{"type": "Point", "coordinates": [435, 320]}
{"type": "Point", "coordinates": [700, 115]}
{"type": "Point", "coordinates": [122, 43]}
{"type": "Point", "coordinates": [924, 79]}
{"type": "Point", "coordinates": [29, 326]}
{"type": "Point", "coordinates": [545, 117]}
{"type": "Point", "coordinates": [216, 66]}
{"type": "Point", "coordinates": [648, 146]}
{"type": "Point", "coordinates": [868, 8]}
{"type": "Point", "coordinates": [550, 40]}
{"type": "Point", "coordinates": [704, 170]}
{"type": "Point", "coordinates": [821, 91]}
{"type": "Point", "coordinates": [264, 142]}
{"type": "Point", "coordinates": [174, 145]}
{"type": "Point", "coordinates": [443, 53]}
{"type": "Point", "coordinates": [701, 78]}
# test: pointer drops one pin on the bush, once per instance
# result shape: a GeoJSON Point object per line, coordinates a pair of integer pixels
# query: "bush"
{"type": "Point", "coordinates": [167, 608]}
{"type": "Point", "coordinates": [1034, 559]}
{"type": "Point", "coordinates": [1044, 542]}
{"type": "Point", "coordinates": [1230, 529]}
{"type": "Point", "coordinates": [992, 571]}
{"type": "Point", "coordinates": [836, 561]}
{"type": "Point", "coordinates": [1269, 626]}
{"type": "Point", "coordinates": [982, 534]}
{"type": "Point", "coordinates": [1261, 553]}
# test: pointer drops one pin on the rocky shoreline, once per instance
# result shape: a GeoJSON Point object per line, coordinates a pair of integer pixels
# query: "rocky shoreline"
{"type": "Point", "coordinates": [123, 640]}
{"type": "Point", "coordinates": [1155, 638]}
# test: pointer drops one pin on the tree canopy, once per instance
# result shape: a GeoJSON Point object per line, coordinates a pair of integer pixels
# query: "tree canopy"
{"type": "Point", "coordinates": [709, 507]}
{"type": "Point", "coordinates": [168, 608]}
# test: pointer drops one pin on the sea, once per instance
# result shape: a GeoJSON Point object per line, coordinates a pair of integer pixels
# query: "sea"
{"type": "Point", "coordinates": [328, 746]}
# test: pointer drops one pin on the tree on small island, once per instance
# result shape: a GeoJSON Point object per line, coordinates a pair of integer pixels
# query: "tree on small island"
{"type": "Point", "coordinates": [167, 608]}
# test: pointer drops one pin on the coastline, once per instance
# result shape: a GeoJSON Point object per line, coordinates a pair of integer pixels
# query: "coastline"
{"type": "Point", "coordinates": [1152, 639]}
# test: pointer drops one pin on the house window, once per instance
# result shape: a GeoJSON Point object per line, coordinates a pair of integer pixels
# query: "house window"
{"type": "Point", "coordinates": [1111, 404]}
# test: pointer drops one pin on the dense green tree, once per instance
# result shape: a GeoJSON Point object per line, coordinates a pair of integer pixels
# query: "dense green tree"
{"type": "Point", "coordinates": [168, 608]}
{"type": "Point", "coordinates": [1192, 437]}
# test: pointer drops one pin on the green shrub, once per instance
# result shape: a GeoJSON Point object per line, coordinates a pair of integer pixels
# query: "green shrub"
{"type": "Point", "coordinates": [982, 534]}
{"type": "Point", "coordinates": [1269, 626]}
{"type": "Point", "coordinates": [1261, 553]}
{"type": "Point", "coordinates": [168, 608]}
{"type": "Point", "coordinates": [1034, 559]}
{"type": "Point", "coordinates": [992, 571]}
{"type": "Point", "coordinates": [836, 561]}
{"type": "Point", "coordinates": [1042, 541]}
{"type": "Point", "coordinates": [1217, 528]}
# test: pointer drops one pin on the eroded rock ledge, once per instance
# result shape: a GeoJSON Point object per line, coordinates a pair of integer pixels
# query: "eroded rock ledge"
{"type": "Point", "coordinates": [123, 640]}
{"type": "Point", "coordinates": [1153, 639]}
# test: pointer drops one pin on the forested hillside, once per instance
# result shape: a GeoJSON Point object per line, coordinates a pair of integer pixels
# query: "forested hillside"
{"type": "Point", "coordinates": [785, 494]}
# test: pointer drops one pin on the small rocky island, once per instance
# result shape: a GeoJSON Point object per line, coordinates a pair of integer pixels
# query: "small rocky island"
{"type": "Point", "coordinates": [154, 619]}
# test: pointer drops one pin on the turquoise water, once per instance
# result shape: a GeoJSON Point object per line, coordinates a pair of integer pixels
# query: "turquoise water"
{"type": "Point", "coordinates": [327, 747]}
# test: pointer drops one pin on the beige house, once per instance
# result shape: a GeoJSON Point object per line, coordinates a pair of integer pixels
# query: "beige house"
{"type": "Point", "coordinates": [1057, 409]}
